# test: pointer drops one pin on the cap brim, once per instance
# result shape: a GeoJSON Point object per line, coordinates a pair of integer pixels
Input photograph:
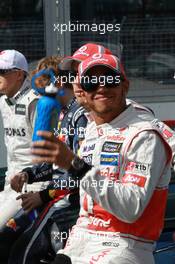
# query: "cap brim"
{"type": "Point", "coordinates": [8, 66]}
{"type": "Point", "coordinates": [66, 64]}
{"type": "Point", "coordinates": [5, 66]}
{"type": "Point", "coordinates": [103, 64]}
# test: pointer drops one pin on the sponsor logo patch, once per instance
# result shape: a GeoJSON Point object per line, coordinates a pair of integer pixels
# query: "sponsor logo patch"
{"type": "Point", "coordinates": [110, 244]}
{"type": "Point", "coordinates": [110, 172]}
{"type": "Point", "coordinates": [134, 179]}
{"type": "Point", "coordinates": [116, 138]}
{"type": "Point", "coordinates": [167, 133]}
{"type": "Point", "coordinates": [111, 147]}
{"type": "Point", "coordinates": [61, 116]}
{"type": "Point", "coordinates": [62, 138]}
{"type": "Point", "coordinates": [112, 160]}
{"type": "Point", "coordinates": [137, 167]}
{"type": "Point", "coordinates": [13, 132]}
{"type": "Point", "coordinates": [20, 109]}
{"type": "Point", "coordinates": [97, 258]}
{"type": "Point", "coordinates": [88, 148]}
{"type": "Point", "coordinates": [11, 224]}
{"type": "Point", "coordinates": [88, 159]}
{"type": "Point", "coordinates": [100, 131]}
{"type": "Point", "coordinates": [99, 222]}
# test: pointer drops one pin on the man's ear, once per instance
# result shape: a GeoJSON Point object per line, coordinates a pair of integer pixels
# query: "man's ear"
{"type": "Point", "coordinates": [85, 100]}
{"type": "Point", "coordinates": [21, 75]}
{"type": "Point", "coordinates": [82, 93]}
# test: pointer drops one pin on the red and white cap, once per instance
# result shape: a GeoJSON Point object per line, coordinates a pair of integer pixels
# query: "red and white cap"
{"type": "Point", "coordinates": [107, 60]}
{"type": "Point", "coordinates": [83, 53]}
{"type": "Point", "coordinates": [10, 59]}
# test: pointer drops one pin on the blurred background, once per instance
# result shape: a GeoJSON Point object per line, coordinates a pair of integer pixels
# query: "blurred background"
{"type": "Point", "coordinates": [145, 43]}
{"type": "Point", "coordinates": [146, 40]}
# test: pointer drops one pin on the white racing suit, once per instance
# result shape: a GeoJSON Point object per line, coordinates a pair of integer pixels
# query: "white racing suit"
{"type": "Point", "coordinates": [166, 131]}
{"type": "Point", "coordinates": [18, 115]}
{"type": "Point", "coordinates": [123, 198]}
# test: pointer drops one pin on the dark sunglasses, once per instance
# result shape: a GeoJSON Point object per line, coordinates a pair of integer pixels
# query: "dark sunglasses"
{"type": "Point", "coordinates": [3, 71]}
{"type": "Point", "coordinates": [90, 84]}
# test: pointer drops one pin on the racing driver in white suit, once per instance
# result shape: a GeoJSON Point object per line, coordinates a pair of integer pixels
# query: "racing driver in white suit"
{"type": "Point", "coordinates": [17, 107]}
{"type": "Point", "coordinates": [120, 216]}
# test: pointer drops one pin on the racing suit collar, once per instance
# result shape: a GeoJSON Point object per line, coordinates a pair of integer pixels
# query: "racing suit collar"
{"type": "Point", "coordinates": [69, 105]}
{"type": "Point", "coordinates": [121, 119]}
{"type": "Point", "coordinates": [23, 90]}
{"type": "Point", "coordinates": [124, 117]}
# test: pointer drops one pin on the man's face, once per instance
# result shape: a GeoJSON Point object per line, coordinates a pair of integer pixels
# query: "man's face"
{"type": "Point", "coordinates": [106, 102]}
{"type": "Point", "coordinates": [9, 82]}
{"type": "Point", "coordinates": [78, 91]}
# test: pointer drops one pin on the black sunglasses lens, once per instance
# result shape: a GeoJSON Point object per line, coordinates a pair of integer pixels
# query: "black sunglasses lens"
{"type": "Point", "coordinates": [3, 71]}
{"type": "Point", "coordinates": [88, 85]}
{"type": "Point", "coordinates": [111, 80]}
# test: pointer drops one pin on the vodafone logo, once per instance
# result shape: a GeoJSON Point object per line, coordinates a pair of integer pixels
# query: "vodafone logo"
{"type": "Point", "coordinates": [82, 51]}
{"type": "Point", "coordinates": [96, 56]}
{"type": "Point", "coordinates": [100, 131]}
{"type": "Point", "coordinates": [83, 48]}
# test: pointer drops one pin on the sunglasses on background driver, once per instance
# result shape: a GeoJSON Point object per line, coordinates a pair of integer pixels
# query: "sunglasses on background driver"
{"type": "Point", "coordinates": [5, 71]}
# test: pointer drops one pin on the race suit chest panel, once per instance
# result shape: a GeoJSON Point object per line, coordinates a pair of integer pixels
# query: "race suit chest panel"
{"type": "Point", "coordinates": [107, 145]}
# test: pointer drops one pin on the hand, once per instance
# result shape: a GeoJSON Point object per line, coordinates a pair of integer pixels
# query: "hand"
{"type": "Point", "coordinates": [52, 150]}
{"type": "Point", "coordinates": [18, 180]}
{"type": "Point", "coordinates": [30, 201]}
